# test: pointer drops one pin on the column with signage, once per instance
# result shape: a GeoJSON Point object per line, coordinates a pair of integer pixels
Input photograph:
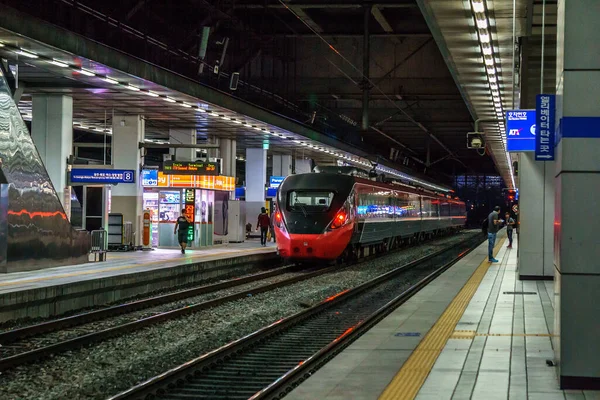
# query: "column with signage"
{"type": "Point", "coordinates": [126, 199]}
{"type": "Point", "coordinates": [256, 176]}
{"type": "Point", "coordinates": [52, 133]}
{"type": "Point", "coordinates": [190, 212]}
{"type": "Point", "coordinates": [536, 197]}
{"type": "Point", "coordinates": [577, 179]}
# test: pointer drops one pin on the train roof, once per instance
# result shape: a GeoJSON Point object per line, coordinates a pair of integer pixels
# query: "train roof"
{"type": "Point", "coordinates": [341, 182]}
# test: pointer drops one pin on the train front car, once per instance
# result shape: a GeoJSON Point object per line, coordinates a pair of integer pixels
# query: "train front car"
{"type": "Point", "coordinates": [314, 218]}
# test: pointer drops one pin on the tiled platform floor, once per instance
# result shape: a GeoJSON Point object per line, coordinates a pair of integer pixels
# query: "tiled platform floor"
{"type": "Point", "coordinates": [125, 263]}
{"type": "Point", "coordinates": [498, 348]}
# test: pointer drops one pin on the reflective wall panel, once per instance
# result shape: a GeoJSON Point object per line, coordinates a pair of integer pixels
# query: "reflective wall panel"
{"type": "Point", "coordinates": [39, 234]}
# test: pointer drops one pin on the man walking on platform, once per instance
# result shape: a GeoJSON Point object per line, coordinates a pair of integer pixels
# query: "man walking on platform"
{"type": "Point", "coordinates": [263, 224]}
{"type": "Point", "coordinates": [494, 225]}
{"type": "Point", "coordinates": [182, 227]}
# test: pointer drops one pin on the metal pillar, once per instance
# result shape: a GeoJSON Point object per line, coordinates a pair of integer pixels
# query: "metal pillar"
{"type": "Point", "coordinates": [366, 61]}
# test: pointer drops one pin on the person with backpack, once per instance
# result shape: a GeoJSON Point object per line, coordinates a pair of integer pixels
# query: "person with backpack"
{"type": "Point", "coordinates": [263, 223]}
{"type": "Point", "coordinates": [182, 227]}
{"type": "Point", "coordinates": [494, 223]}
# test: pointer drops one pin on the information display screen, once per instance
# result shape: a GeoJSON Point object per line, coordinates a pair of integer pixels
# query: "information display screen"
{"type": "Point", "coordinates": [189, 168]}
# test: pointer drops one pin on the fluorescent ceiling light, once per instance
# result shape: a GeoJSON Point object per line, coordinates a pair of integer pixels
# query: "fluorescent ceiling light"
{"type": "Point", "coordinates": [109, 80]}
{"type": "Point", "coordinates": [489, 60]}
{"type": "Point", "coordinates": [297, 141]}
{"type": "Point", "coordinates": [130, 87]}
{"type": "Point", "coordinates": [478, 6]}
{"type": "Point", "coordinates": [486, 49]}
{"type": "Point", "coordinates": [258, 129]}
{"type": "Point", "coordinates": [492, 78]}
{"type": "Point", "coordinates": [84, 72]}
{"type": "Point", "coordinates": [494, 86]}
{"type": "Point", "coordinates": [484, 36]}
{"type": "Point", "coordinates": [152, 94]}
{"type": "Point", "coordinates": [225, 118]}
{"type": "Point", "coordinates": [491, 70]}
{"type": "Point", "coordinates": [1, 44]}
{"type": "Point", "coordinates": [237, 121]}
{"type": "Point", "coordinates": [481, 21]}
{"type": "Point", "coordinates": [202, 110]}
{"type": "Point", "coordinates": [186, 105]}
{"type": "Point", "coordinates": [170, 100]}
{"type": "Point", "coordinates": [59, 63]}
{"type": "Point", "coordinates": [26, 54]}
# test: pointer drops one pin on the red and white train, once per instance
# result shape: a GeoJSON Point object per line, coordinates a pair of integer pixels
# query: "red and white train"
{"type": "Point", "coordinates": [329, 216]}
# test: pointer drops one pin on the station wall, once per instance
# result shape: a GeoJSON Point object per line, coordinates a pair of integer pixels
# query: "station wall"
{"type": "Point", "coordinates": [39, 234]}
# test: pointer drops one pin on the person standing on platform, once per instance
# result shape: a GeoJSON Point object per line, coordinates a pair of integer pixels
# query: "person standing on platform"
{"type": "Point", "coordinates": [182, 227]}
{"type": "Point", "coordinates": [494, 225]}
{"type": "Point", "coordinates": [263, 224]}
{"type": "Point", "coordinates": [509, 229]}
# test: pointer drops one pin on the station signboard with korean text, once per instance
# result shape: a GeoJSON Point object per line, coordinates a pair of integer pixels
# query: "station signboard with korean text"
{"type": "Point", "coordinates": [545, 107]}
{"type": "Point", "coordinates": [92, 176]}
{"type": "Point", "coordinates": [520, 130]}
{"type": "Point", "coordinates": [190, 168]}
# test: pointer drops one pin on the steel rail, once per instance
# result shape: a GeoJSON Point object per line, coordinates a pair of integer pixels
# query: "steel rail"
{"type": "Point", "coordinates": [172, 379]}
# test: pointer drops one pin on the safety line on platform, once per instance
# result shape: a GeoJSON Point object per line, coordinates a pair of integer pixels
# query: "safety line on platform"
{"type": "Point", "coordinates": [408, 381]}
{"type": "Point", "coordinates": [79, 273]}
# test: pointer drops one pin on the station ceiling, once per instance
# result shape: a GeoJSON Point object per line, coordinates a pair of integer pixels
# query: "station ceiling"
{"type": "Point", "coordinates": [426, 82]}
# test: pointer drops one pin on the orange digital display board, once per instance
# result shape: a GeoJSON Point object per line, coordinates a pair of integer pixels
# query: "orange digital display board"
{"type": "Point", "coordinates": [218, 182]}
{"type": "Point", "coordinates": [189, 168]}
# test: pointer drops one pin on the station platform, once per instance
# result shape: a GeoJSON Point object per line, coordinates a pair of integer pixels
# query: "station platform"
{"type": "Point", "coordinates": [475, 332]}
{"type": "Point", "coordinates": [56, 291]}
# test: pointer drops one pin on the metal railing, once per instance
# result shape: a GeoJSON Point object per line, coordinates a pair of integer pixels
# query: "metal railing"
{"type": "Point", "coordinates": [99, 244]}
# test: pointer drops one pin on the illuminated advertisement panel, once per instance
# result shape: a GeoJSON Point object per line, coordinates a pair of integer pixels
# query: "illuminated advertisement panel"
{"type": "Point", "coordinates": [219, 182]}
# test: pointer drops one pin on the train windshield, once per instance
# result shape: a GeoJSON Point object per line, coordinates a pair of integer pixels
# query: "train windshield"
{"type": "Point", "coordinates": [309, 201]}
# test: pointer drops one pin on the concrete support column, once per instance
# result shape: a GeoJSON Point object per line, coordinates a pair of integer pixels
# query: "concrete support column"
{"type": "Point", "coordinates": [256, 176]}
{"type": "Point", "coordinates": [214, 152]}
{"type": "Point", "coordinates": [303, 166]}
{"type": "Point", "coordinates": [282, 165]}
{"type": "Point", "coordinates": [577, 247]}
{"type": "Point", "coordinates": [536, 218]}
{"type": "Point", "coordinates": [228, 148]}
{"type": "Point", "coordinates": [52, 133]}
{"type": "Point", "coordinates": [183, 136]}
{"type": "Point", "coordinates": [128, 132]}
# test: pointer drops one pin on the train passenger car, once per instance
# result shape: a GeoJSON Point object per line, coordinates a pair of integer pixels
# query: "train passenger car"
{"type": "Point", "coordinates": [325, 216]}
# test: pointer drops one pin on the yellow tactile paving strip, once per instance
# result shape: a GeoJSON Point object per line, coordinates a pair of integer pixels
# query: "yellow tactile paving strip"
{"type": "Point", "coordinates": [124, 267]}
{"type": "Point", "coordinates": [408, 381]}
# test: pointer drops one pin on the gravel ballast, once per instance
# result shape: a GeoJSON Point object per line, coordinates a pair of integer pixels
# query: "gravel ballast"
{"type": "Point", "coordinates": [117, 364]}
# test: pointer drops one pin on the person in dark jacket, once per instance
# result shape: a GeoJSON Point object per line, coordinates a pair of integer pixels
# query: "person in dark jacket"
{"type": "Point", "coordinates": [263, 224]}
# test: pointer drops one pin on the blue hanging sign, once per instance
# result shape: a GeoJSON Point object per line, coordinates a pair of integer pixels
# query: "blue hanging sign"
{"type": "Point", "coordinates": [102, 176]}
{"type": "Point", "coordinates": [545, 111]}
{"type": "Point", "coordinates": [275, 181]}
{"type": "Point", "coordinates": [520, 130]}
{"type": "Point", "coordinates": [149, 177]}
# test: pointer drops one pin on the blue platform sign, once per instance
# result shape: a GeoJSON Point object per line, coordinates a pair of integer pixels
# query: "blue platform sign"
{"type": "Point", "coordinates": [545, 111]}
{"type": "Point", "coordinates": [520, 130]}
{"type": "Point", "coordinates": [149, 177]}
{"type": "Point", "coordinates": [275, 181]}
{"type": "Point", "coordinates": [102, 176]}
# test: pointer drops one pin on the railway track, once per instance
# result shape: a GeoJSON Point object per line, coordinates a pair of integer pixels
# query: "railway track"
{"type": "Point", "coordinates": [33, 342]}
{"type": "Point", "coordinates": [270, 361]}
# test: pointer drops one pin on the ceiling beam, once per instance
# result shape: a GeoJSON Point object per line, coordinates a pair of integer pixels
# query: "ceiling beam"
{"type": "Point", "coordinates": [353, 35]}
{"type": "Point", "coordinates": [324, 5]}
{"type": "Point", "coordinates": [139, 5]}
{"type": "Point", "coordinates": [380, 18]}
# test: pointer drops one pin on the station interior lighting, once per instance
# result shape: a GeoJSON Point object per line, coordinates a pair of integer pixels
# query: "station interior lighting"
{"type": "Point", "coordinates": [481, 23]}
{"type": "Point", "coordinates": [58, 63]}
{"type": "Point", "coordinates": [484, 37]}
